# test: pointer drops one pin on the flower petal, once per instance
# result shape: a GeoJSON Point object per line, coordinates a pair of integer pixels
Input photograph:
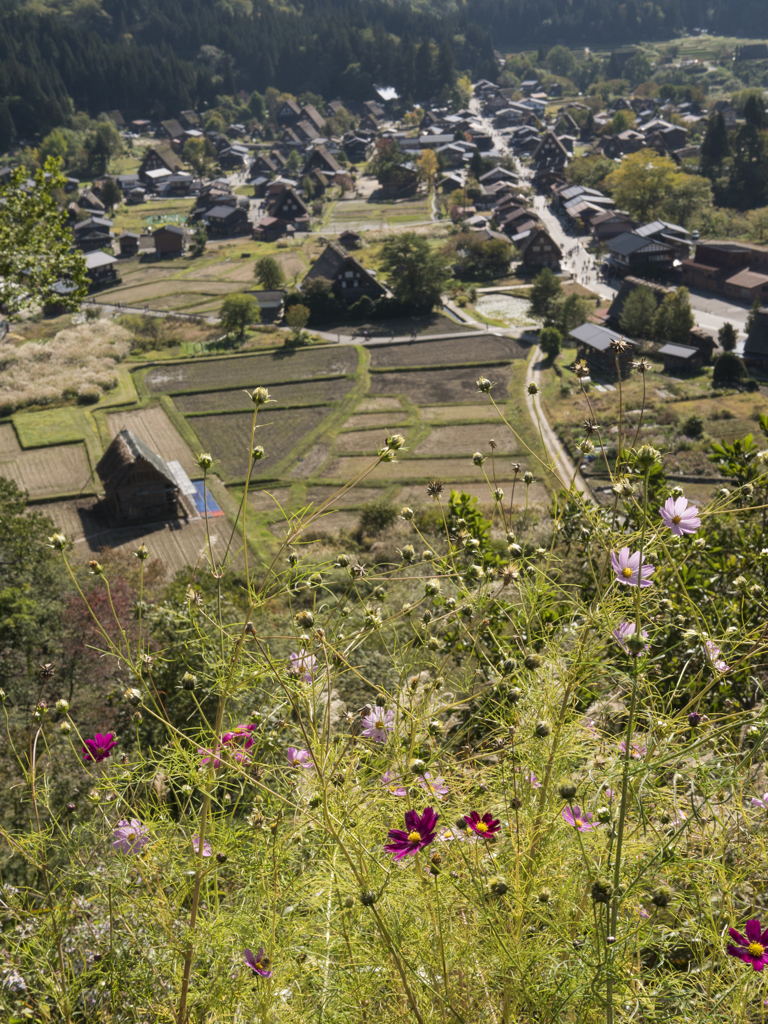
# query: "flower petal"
{"type": "Point", "coordinates": [753, 930]}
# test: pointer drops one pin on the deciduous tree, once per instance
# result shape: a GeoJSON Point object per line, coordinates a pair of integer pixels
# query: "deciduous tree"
{"type": "Point", "coordinates": [268, 273]}
{"type": "Point", "coordinates": [416, 272]}
{"type": "Point", "coordinates": [237, 312]}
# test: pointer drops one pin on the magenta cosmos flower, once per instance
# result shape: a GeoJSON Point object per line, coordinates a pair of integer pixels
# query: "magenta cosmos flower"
{"type": "Point", "coordinates": [627, 629]}
{"type": "Point", "coordinates": [754, 948]}
{"type": "Point", "coordinates": [714, 656]}
{"type": "Point", "coordinates": [679, 516]}
{"type": "Point", "coordinates": [486, 826]}
{"type": "Point", "coordinates": [628, 568]}
{"type": "Point", "coordinates": [582, 820]}
{"type": "Point", "coordinates": [239, 739]}
{"type": "Point", "coordinates": [130, 836]}
{"type": "Point", "coordinates": [99, 747]}
{"type": "Point", "coordinates": [378, 724]}
{"type": "Point", "coordinates": [299, 758]}
{"type": "Point", "coordinates": [419, 832]}
{"type": "Point", "coordinates": [303, 664]}
{"type": "Point", "coordinates": [637, 751]}
{"type": "Point", "coordinates": [207, 850]}
{"type": "Point", "coordinates": [259, 963]}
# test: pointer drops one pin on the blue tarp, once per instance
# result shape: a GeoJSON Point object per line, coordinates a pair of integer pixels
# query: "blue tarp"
{"type": "Point", "coordinates": [205, 501]}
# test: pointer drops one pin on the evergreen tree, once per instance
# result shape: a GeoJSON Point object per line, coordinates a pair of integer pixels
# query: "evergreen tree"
{"type": "Point", "coordinates": [638, 313]}
{"type": "Point", "coordinates": [544, 293]}
{"type": "Point", "coordinates": [726, 337]}
{"type": "Point", "coordinates": [674, 318]}
{"type": "Point", "coordinates": [416, 272]}
{"type": "Point", "coordinates": [714, 145]}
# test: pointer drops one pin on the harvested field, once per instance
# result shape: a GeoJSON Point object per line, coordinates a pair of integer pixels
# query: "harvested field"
{"type": "Point", "coordinates": [331, 522]}
{"type": "Point", "coordinates": [309, 393]}
{"type": "Point", "coordinates": [408, 469]}
{"type": "Point", "coordinates": [537, 495]}
{"type": "Point", "coordinates": [379, 404]}
{"type": "Point", "coordinates": [465, 439]}
{"type": "Point", "coordinates": [45, 472]}
{"type": "Point", "coordinates": [308, 465]}
{"type": "Point", "coordinates": [363, 441]}
{"type": "Point", "coordinates": [177, 543]}
{"type": "Point", "coordinates": [253, 370]}
{"type": "Point", "coordinates": [9, 445]}
{"type": "Point", "coordinates": [435, 386]}
{"type": "Point", "coordinates": [382, 419]}
{"type": "Point", "coordinates": [269, 499]}
{"type": "Point", "coordinates": [227, 437]}
{"type": "Point", "coordinates": [352, 499]}
{"type": "Point", "coordinates": [154, 428]}
{"type": "Point", "coordinates": [463, 413]}
{"type": "Point", "coordinates": [450, 350]}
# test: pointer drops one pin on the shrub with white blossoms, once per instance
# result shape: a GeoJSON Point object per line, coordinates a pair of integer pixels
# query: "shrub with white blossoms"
{"type": "Point", "coordinates": [547, 806]}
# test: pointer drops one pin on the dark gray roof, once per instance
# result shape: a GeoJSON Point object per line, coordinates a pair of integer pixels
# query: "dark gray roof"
{"type": "Point", "coordinates": [173, 228]}
{"type": "Point", "coordinates": [629, 242]}
{"type": "Point", "coordinates": [596, 337]}
{"type": "Point", "coordinates": [679, 351]}
{"type": "Point", "coordinates": [222, 212]}
{"type": "Point", "coordinates": [657, 227]}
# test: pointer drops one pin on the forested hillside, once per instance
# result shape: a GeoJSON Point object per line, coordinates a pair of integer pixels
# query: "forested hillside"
{"type": "Point", "coordinates": [155, 57]}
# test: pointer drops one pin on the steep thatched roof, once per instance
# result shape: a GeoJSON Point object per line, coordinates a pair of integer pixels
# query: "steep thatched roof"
{"type": "Point", "coordinates": [120, 458]}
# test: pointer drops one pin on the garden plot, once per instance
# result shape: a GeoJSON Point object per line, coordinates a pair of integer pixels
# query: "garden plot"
{"type": "Point", "coordinates": [253, 370]}
{"type": "Point", "coordinates": [270, 499]}
{"type": "Point", "coordinates": [351, 499]}
{"type": "Point", "coordinates": [484, 347]}
{"type": "Point", "coordinates": [154, 428]}
{"type": "Point", "coordinates": [227, 437]}
{"type": "Point", "coordinates": [369, 420]}
{"type": "Point", "coordinates": [46, 472]}
{"type": "Point", "coordinates": [435, 386]}
{"type": "Point", "coordinates": [466, 439]}
{"type": "Point", "coordinates": [445, 413]}
{"type": "Point", "coordinates": [509, 309]}
{"type": "Point", "coordinates": [379, 405]}
{"type": "Point", "coordinates": [9, 445]}
{"type": "Point", "coordinates": [310, 393]}
{"type": "Point", "coordinates": [447, 470]}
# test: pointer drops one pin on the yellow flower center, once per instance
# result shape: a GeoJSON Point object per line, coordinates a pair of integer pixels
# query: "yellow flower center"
{"type": "Point", "coordinates": [755, 949]}
{"type": "Point", "coordinates": [296, 761]}
{"type": "Point", "coordinates": [481, 827]}
{"type": "Point", "coordinates": [414, 837]}
{"type": "Point", "coordinates": [577, 822]}
{"type": "Point", "coordinates": [626, 571]}
{"type": "Point", "coordinates": [131, 836]}
{"type": "Point", "coordinates": [379, 724]}
{"type": "Point", "coordinates": [675, 519]}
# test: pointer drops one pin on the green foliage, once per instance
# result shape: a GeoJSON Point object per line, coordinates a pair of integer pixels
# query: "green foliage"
{"type": "Point", "coordinates": [550, 340]}
{"type": "Point", "coordinates": [727, 337]}
{"type": "Point", "coordinates": [101, 144]}
{"type": "Point", "coordinates": [199, 241]}
{"type": "Point", "coordinates": [199, 154]}
{"type": "Point", "coordinates": [570, 312]}
{"type": "Point", "coordinates": [544, 295]}
{"type": "Point", "coordinates": [729, 369]}
{"type": "Point", "coordinates": [652, 186]}
{"type": "Point", "coordinates": [297, 317]}
{"type": "Point", "coordinates": [693, 426]}
{"type": "Point", "coordinates": [560, 61]}
{"type": "Point", "coordinates": [36, 243]}
{"type": "Point", "coordinates": [237, 312]}
{"type": "Point", "coordinates": [590, 171]}
{"type": "Point", "coordinates": [481, 258]}
{"type": "Point", "coordinates": [257, 106]}
{"type": "Point", "coordinates": [674, 317]}
{"type": "Point", "coordinates": [111, 194]}
{"type": "Point", "coordinates": [639, 313]}
{"type": "Point", "coordinates": [268, 273]}
{"type": "Point", "coordinates": [416, 272]}
{"type": "Point", "coordinates": [376, 516]}
{"type": "Point", "coordinates": [754, 309]}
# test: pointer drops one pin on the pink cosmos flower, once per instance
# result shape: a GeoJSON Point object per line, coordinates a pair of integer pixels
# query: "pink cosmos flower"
{"type": "Point", "coordinates": [207, 850]}
{"type": "Point", "coordinates": [99, 747]}
{"type": "Point", "coordinates": [679, 516]}
{"type": "Point", "coordinates": [531, 779]}
{"type": "Point", "coordinates": [485, 827]}
{"type": "Point", "coordinates": [420, 832]}
{"type": "Point", "coordinates": [757, 802]}
{"type": "Point", "coordinates": [754, 948]}
{"type": "Point", "coordinates": [299, 758]}
{"type": "Point", "coordinates": [714, 656]}
{"type": "Point", "coordinates": [636, 750]}
{"type": "Point", "coordinates": [259, 963]}
{"type": "Point", "coordinates": [435, 787]}
{"type": "Point", "coordinates": [239, 738]}
{"type": "Point", "coordinates": [582, 820]}
{"type": "Point", "coordinates": [628, 568]}
{"type": "Point", "coordinates": [624, 630]}
{"type": "Point", "coordinates": [378, 724]}
{"type": "Point", "coordinates": [130, 836]}
{"type": "Point", "coordinates": [303, 664]}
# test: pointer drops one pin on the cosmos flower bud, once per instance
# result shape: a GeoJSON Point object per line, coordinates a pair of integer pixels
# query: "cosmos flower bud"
{"type": "Point", "coordinates": [315, 579]}
{"type": "Point", "coordinates": [395, 442]}
{"type": "Point", "coordinates": [62, 706]}
{"type": "Point", "coordinates": [542, 730]}
{"type": "Point", "coordinates": [141, 553]}
{"type": "Point", "coordinates": [498, 494]}
{"type": "Point", "coordinates": [95, 568]}
{"type": "Point", "coordinates": [432, 587]}
{"type": "Point", "coordinates": [756, 590]}
{"type": "Point", "coordinates": [204, 460]}
{"type": "Point", "coordinates": [408, 553]}
{"type": "Point", "coordinates": [484, 385]}
{"type": "Point", "coordinates": [532, 388]}
{"type": "Point", "coordinates": [417, 766]}
{"type": "Point", "coordinates": [435, 727]}
{"type": "Point", "coordinates": [662, 896]}
{"type": "Point", "coordinates": [368, 898]}
{"type": "Point", "coordinates": [740, 583]}
{"type": "Point", "coordinates": [532, 661]}
{"type": "Point", "coordinates": [515, 550]}
{"type": "Point", "coordinates": [623, 487]}
{"type": "Point", "coordinates": [586, 447]}
{"type": "Point", "coordinates": [258, 453]}
{"type": "Point", "coordinates": [259, 396]}
{"type": "Point", "coordinates": [545, 896]}
{"type": "Point", "coordinates": [528, 477]}
{"type": "Point", "coordinates": [304, 619]}
{"type": "Point", "coordinates": [188, 681]}
{"type": "Point", "coordinates": [471, 544]}
{"type": "Point", "coordinates": [433, 643]}
{"type": "Point", "coordinates": [342, 561]}
{"type": "Point", "coordinates": [65, 728]}
{"type": "Point", "coordinates": [497, 885]}
{"type": "Point", "coordinates": [132, 696]}
{"type": "Point", "coordinates": [478, 458]}
{"type": "Point", "coordinates": [602, 890]}
{"type": "Point", "coordinates": [676, 492]}
{"type": "Point", "coordinates": [603, 814]}
{"type": "Point", "coordinates": [57, 541]}
{"type": "Point", "coordinates": [567, 790]}
{"type": "Point", "coordinates": [221, 857]}
{"type": "Point", "coordinates": [647, 456]}
{"type": "Point", "coordinates": [406, 513]}
{"type": "Point", "coordinates": [349, 902]}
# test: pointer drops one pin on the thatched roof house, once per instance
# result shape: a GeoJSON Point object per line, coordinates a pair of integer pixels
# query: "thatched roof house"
{"type": "Point", "coordinates": [138, 484]}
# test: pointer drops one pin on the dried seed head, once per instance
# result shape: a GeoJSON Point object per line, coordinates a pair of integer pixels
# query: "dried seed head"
{"type": "Point", "coordinates": [48, 670]}
{"type": "Point", "coordinates": [619, 345]}
{"type": "Point", "coordinates": [434, 488]}
{"type": "Point", "coordinates": [478, 459]}
{"type": "Point", "coordinates": [406, 513]}
{"type": "Point", "coordinates": [590, 426]}
{"type": "Point", "coordinates": [581, 369]}
{"type": "Point", "coordinates": [484, 385]}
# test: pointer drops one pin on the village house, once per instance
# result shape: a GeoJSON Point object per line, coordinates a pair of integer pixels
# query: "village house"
{"type": "Point", "coordinates": [289, 207]}
{"type": "Point", "coordinates": [189, 120]}
{"type": "Point", "coordinates": [538, 250]}
{"type": "Point", "coordinates": [631, 253]}
{"type": "Point", "coordinates": [170, 240]}
{"type": "Point", "coordinates": [158, 158]}
{"type": "Point", "coordinates": [348, 278]}
{"type": "Point", "coordinates": [734, 269]}
{"type": "Point", "coordinates": [93, 233]}
{"type": "Point", "coordinates": [128, 243]}
{"type": "Point", "coordinates": [593, 345]}
{"type": "Point", "coordinates": [288, 112]}
{"type": "Point", "coordinates": [172, 131]}
{"type": "Point", "coordinates": [681, 358]}
{"type": "Point", "coordinates": [101, 269]}
{"type": "Point", "coordinates": [138, 484]}
{"type": "Point", "coordinates": [271, 304]}
{"type": "Point", "coordinates": [319, 159]}
{"type": "Point", "coordinates": [227, 221]}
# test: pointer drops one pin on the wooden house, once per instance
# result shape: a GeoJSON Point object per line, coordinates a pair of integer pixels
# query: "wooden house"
{"type": "Point", "coordinates": [704, 342]}
{"type": "Point", "coordinates": [271, 304]}
{"type": "Point", "coordinates": [189, 120]}
{"type": "Point", "coordinates": [348, 278]}
{"type": "Point", "coordinates": [93, 233]}
{"type": "Point", "coordinates": [539, 250]}
{"type": "Point", "coordinates": [550, 154]}
{"type": "Point", "coordinates": [170, 130]}
{"type": "Point", "coordinates": [321, 160]}
{"type": "Point", "coordinates": [290, 207]}
{"type": "Point", "coordinates": [138, 485]}
{"type": "Point", "coordinates": [91, 202]}
{"type": "Point", "coordinates": [289, 112]}
{"type": "Point", "coordinates": [593, 345]}
{"type": "Point", "coordinates": [100, 269]}
{"type": "Point", "coordinates": [227, 221]}
{"type": "Point", "coordinates": [634, 254]}
{"type": "Point", "coordinates": [170, 240]}
{"type": "Point", "coordinates": [129, 243]}
{"type": "Point", "coordinates": [159, 157]}
{"type": "Point", "coordinates": [681, 358]}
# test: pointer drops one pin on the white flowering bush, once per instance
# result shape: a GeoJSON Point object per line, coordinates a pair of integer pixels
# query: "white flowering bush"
{"type": "Point", "coordinates": [548, 804]}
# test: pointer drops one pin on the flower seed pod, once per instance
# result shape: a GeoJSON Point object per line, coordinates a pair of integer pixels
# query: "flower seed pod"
{"type": "Point", "coordinates": [188, 681]}
{"type": "Point", "coordinates": [368, 898]}
{"type": "Point", "coordinates": [395, 442]}
{"type": "Point", "coordinates": [567, 790]}
{"type": "Point", "coordinates": [542, 730]}
{"type": "Point", "coordinates": [221, 857]}
{"type": "Point", "coordinates": [141, 552]}
{"type": "Point", "coordinates": [528, 477]}
{"type": "Point", "coordinates": [304, 619]}
{"type": "Point", "coordinates": [204, 460]}
{"type": "Point", "coordinates": [478, 459]}
{"type": "Point", "coordinates": [417, 766]}
{"type": "Point", "coordinates": [532, 388]}
{"type": "Point", "coordinates": [406, 513]}
{"type": "Point", "coordinates": [259, 396]}
{"type": "Point", "coordinates": [532, 661]}
{"type": "Point", "coordinates": [601, 891]}
{"type": "Point", "coordinates": [349, 903]}
{"type": "Point", "coordinates": [258, 453]}
{"type": "Point", "coordinates": [497, 885]}
{"type": "Point", "coordinates": [545, 896]}
{"type": "Point", "coordinates": [132, 696]}
{"type": "Point", "coordinates": [484, 385]}
{"type": "Point", "coordinates": [95, 568]}
{"type": "Point", "coordinates": [62, 706]}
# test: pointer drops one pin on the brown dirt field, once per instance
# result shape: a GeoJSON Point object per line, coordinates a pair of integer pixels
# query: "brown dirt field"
{"type": "Point", "coordinates": [63, 469]}
{"type": "Point", "coordinates": [435, 386]}
{"type": "Point", "coordinates": [176, 544]}
{"type": "Point", "coordinates": [466, 439]}
{"type": "Point", "coordinates": [363, 441]}
{"type": "Point", "coordinates": [253, 370]}
{"type": "Point", "coordinates": [154, 428]}
{"type": "Point", "coordinates": [325, 391]}
{"type": "Point", "coordinates": [260, 501]}
{"type": "Point", "coordinates": [376, 404]}
{"type": "Point", "coordinates": [333, 522]}
{"type": "Point", "coordinates": [451, 350]}
{"type": "Point", "coordinates": [228, 436]}
{"type": "Point", "coordinates": [408, 469]}
{"type": "Point", "coordinates": [538, 494]}
{"type": "Point", "coordinates": [352, 499]}
{"type": "Point", "coordinates": [9, 445]}
{"type": "Point", "coordinates": [136, 295]}
{"type": "Point", "coordinates": [291, 263]}
{"type": "Point", "coordinates": [464, 413]}
{"type": "Point", "coordinates": [381, 419]}
{"type": "Point", "coordinates": [308, 465]}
